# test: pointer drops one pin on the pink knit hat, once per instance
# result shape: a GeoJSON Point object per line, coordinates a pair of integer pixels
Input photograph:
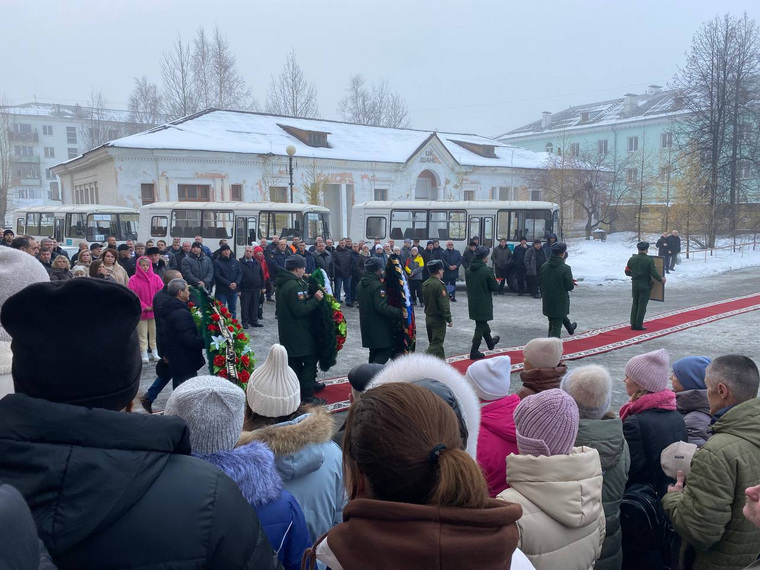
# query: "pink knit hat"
{"type": "Point", "coordinates": [546, 423]}
{"type": "Point", "coordinates": [651, 371]}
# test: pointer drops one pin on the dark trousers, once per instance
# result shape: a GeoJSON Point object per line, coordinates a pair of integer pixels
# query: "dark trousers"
{"type": "Point", "coordinates": [532, 284]}
{"type": "Point", "coordinates": [270, 289]}
{"type": "Point", "coordinates": [352, 289]}
{"type": "Point", "coordinates": [249, 307]}
{"type": "Point", "coordinates": [482, 331]}
{"type": "Point", "coordinates": [453, 283]}
{"type": "Point", "coordinates": [305, 368]}
{"type": "Point", "coordinates": [673, 259]}
{"type": "Point", "coordinates": [379, 355]}
{"type": "Point", "coordinates": [639, 306]}
{"type": "Point", "coordinates": [436, 333]}
{"type": "Point", "coordinates": [520, 277]}
{"type": "Point", "coordinates": [666, 262]}
{"type": "Point", "coordinates": [415, 290]}
{"type": "Point", "coordinates": [228, 299]}
{"type": "Point", "coordinates": [178, 379]}
{"type": "Point", "coordinates": [262, 298]}
{"type": "Point", "coordinates": [155, 388]}
{"type": "Point", "coordinates": [345, 284]}
{"type": "Point", "coordinates": [555, 327]}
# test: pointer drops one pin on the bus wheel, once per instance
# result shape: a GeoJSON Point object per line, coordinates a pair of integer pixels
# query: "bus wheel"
{"type": "Point", "coordinates": [512, 280]}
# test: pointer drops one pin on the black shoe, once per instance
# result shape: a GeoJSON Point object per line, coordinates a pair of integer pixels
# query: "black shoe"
{"type": "Point", "coordinates": [245, 326]}
{"type": "Point", "coordinates": [638, 328]}
{"type": "Point", "coordinates": [146, 404]}
{"type": "Point", "coordinates": [494, 341]}
{"type": "Point", "coordinates": [536, 296]}
{"type": "Point", "coordinates": [313, 401]}
{"type": "Point", "coordinates": [270, 300]}
{"type": "Point", "coordinates": [453, 299]}
{"type": "Point", "coordinates": [319, 386]}
{"type": "Point", "coordinates": [261, 317]}
{"type": "Point", "coordinates": [477, 355]}
{"type": "Point", "coordinates": [257, 325]}
{"type": "Point", "coordinates": [571, 328]}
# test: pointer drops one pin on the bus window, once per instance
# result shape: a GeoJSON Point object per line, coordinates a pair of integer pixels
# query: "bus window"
{"type": "Point", "coordinates": [409, 224]}
{"type": "Point", "coordinates": [376, 227]}
{"type": "Point", "coordinates": [287, 225]}
{"type": "Point", "coordinates": [245, 230]}
{"type": "Point", "coordinates": [217, 225]}
{"type": "Point", "coordinates": [33, 224]}
{"type": "Point", "coordinates": [314, 226]}
{"type": "Point", "coordinates": [502, 225]}
{"type": "Point", "coordinates": [474, 228]}
{"type": "Point", "coordinates": [20, 226]}
{"type": "Point", "coordinates": [47, 224]}
{"type": "Point", "coordinates": [159, 226]}
{"type": "Point", "coordinates": [555, 224]}
{"type": "Point", "coordinates": [531, 224]}
{"type": "Point", "coordinates": [445, 225]}
{"type": "Point", "coordinates": [101, 225]}
{"type": "Point", "coordinates": [458, 225]}
{"type": "Point", "coordinates": [487, 237]}
{"type": "Point", "coordinates": [128, 225]}
{"type": "Point", "coordinates": [76, 226]}
{"type": "Point", "coordinates": [186, 223]}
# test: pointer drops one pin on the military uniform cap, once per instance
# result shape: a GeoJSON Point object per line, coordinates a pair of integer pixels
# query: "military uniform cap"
{"type": "Point", "coordinates": [481, 253]}
{"type": "Point", "coordinates": [642, 245]}
{"type": "Point", "coordinates": [294, 262]}
{"type": "Point", "coordinates": [373, 264]}
{"type": "Point", "coordinates": [434, 265]}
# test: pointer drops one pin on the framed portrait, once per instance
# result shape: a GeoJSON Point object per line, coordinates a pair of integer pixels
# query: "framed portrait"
{"type": "Point", "coordinates": [658, 289]}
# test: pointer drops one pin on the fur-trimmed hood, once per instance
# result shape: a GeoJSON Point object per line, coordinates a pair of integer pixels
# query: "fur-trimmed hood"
{"type": "Point", "coordinates": [413, 367]}
{"type": "Point", "coordinates": [297, 444]}
{"type": "Point", "coordinates": [252, 467]}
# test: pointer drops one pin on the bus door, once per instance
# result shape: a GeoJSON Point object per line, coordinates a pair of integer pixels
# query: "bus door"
{"type": "Point", "coordinates": [58, 231]}
{"type": "Point", "coordinates": [245, 233]}
{"type": "Point", "coordinates": [483, 227]}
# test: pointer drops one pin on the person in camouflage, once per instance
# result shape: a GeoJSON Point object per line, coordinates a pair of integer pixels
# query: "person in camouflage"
{"type": "Point", "coordinates": [641, 270]}
{"type": "Point", "coordinates": [437, 308]}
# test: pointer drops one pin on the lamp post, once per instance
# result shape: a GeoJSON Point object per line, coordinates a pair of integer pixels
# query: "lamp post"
{"type": "Point", "coordinates": [291, 150]}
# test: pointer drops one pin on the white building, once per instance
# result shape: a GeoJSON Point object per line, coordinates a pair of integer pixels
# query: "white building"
{"type": "Point", "coordinates": [230, 155]}
{"type": "Point", "coordinates": [41, 135]}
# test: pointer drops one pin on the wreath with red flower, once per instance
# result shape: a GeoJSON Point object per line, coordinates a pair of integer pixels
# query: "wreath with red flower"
{"type": "Point", "coordinates": [328, 323]}
{"type": "Point", "coordinates": [228, 348]}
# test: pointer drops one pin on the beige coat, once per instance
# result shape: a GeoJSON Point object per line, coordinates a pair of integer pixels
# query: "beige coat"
{"type": "Point", "coordinates": [119, 274]}
{"type": "Point", "coordinates": [563, 520]}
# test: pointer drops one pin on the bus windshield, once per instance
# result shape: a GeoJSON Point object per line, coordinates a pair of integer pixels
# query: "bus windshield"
{"type": "Point", "coordinates": [316, 224]}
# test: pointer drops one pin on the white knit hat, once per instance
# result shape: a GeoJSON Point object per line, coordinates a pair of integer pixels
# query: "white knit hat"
{"type": "Point", "coordinates": [490, 377]}
{"type": "Point", "coordinates": [17, 270]}
{"type": "Point", "coordinates": [273, 389]}
{"type": "Point", "coordinates": [591, 388]}
{"type": "Point", "coordinates": [543, 352]}
{"type": "Point", "coordinates": [213, 409]}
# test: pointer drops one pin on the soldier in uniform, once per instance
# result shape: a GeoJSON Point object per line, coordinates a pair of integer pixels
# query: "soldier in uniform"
{"type": "Point", "coordinates": [556, 283]}
{"type": "Point", "coordinates": [437, 308]}
{"type": "Point", "coordinates": [641, 270]}
{"type": "Point", "coordinates": [294, 308]}
{"type": "Point", "coordinates": [376, 316]}
{"type": "Point", "coordinates": [481, 285]}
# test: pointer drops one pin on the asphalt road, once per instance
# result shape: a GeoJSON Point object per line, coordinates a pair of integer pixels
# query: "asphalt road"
{"type": "Point", "coordinates": [519, 319]}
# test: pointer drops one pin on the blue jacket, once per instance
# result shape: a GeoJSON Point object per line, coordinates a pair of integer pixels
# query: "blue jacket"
{"type": "Point", "coordinates": [310, 464]}
{"type": "Point", "coordinates": [226, 272]}
{"type": "Point", "coordinates": [253, 274]}
{"type": "Point", "coordinates": [252, 468]}
{"type": "Point", "coordinates": [450, 257]}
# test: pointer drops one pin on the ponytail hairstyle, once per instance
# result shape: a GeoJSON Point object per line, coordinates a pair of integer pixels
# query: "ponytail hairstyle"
{"type": "Point", "coordinates": [406, 441]}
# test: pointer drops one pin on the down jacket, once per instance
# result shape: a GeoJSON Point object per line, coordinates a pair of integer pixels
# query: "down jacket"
{"type": "Point", "coordinates": [563, 523]}
{"type": "Point", "coordinates": [695, 409]}
{"type": "Point", "coordinates": [145, 284]}
{"type": "Point", "coordinates": [116, 490]}
{"type": "Point", "coordinates": [196, 268]}
{"type": "Point", "coordinates": [606, 436]}
{"type": "Point", "coordinates": [310, 464]}
{"type": "Point", "coordinates": [497, 439]}
{"type": "Point", "coordinates": [707, 514]}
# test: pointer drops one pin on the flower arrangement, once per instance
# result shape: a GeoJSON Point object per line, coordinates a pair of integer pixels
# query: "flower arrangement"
{"type": "Point", "coordinates": [397, 288]}
{"type": "Point", "coordinates": [229, 353]}
{"type": "Point", "coordinates": [329, 323]}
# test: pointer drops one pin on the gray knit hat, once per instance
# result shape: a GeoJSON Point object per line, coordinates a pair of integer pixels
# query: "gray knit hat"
{"type": "Point", "coordinates": [213, 408]}
{"type": "Point", "coordinates": [273, 390]}
{"type": "Point", "coordinates": [591, 388]}
{"type": "Point", "coordinates": [17, 270]}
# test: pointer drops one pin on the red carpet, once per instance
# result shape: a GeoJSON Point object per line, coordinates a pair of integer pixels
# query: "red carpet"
{"type": "Point", "coordinates": [589, 343]}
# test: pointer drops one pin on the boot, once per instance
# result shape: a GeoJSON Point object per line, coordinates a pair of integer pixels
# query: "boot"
{"type": "Point", "coordinates": [146, 403]}
{"type": "Point", "coordinates": [475, 353]}
{"type": "Point", "coordinates": [571, 329]}
{"type": "Point", "coordinates": [145, 356]}
{"type": "Point", "coordinates": [492, 341]}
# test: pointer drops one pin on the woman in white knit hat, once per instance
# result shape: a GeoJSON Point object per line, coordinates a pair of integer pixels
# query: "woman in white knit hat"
{"type": "Point", "coordinates": [309, 462]}
{"type": "Point", "coordinates": [213, 407]}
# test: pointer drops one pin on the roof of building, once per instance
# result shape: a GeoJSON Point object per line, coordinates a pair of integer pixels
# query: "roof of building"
{"type": "Point", "coordinates": [655, 103]}
{"type": "Point", "coordinates": [245, 132]}
{"type": "Point", "coordinates": [70, 112]}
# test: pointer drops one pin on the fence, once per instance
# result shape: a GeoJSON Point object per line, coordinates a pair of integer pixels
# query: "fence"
{"type": "Point", "coordinates": [740, 248]}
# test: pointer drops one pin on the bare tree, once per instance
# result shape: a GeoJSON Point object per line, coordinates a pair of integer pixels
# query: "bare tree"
{"type": "Point", "coordinates": [179, 95]}
{"type": "Point", "coordinates": [271, 173]}
{"type": "Point", "coordinates": [6, 162]}
{"type": "Point", "coordinates": [145, 103]}
{"type": "Point", "coordinates": [640, 178]}
{"type": "Point", "coordinates": [314, 184]}
{"type": "Point", "coordinates": [227, 89]}
{"type": "Point", "coordinates": [717, 86]}
{"type": "Point", "coordinates": [202, 70]}
{"type": "Point", "coordinates": [94, 121]}
{"type": "Point", "coordinates": [290, 94]}
{"type": "Point", "coordinates": [374, 105]}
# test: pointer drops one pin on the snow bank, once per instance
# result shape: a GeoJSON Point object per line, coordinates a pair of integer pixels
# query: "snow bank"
{"type": "Point", "coordinates": [603, 263]}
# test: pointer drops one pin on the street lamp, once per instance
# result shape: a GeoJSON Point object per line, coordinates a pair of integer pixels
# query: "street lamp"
{"type": "Point", "coordinates": [291, 150]}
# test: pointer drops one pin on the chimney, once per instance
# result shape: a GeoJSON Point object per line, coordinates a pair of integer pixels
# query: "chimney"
{"type": "Point", "coordinates": [630, 103]}
{"type": "Point", "coordinates": [546, 119]}
{"type": "Point", "coordinates": [654, 89]}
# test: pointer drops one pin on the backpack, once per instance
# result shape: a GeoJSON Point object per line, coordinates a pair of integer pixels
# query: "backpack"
{"type": "Point", "coordinates": [641, 514]}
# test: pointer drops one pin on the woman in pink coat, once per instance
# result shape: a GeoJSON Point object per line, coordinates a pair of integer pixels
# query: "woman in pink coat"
{"type": "Point", "coordinates": [146, 284]}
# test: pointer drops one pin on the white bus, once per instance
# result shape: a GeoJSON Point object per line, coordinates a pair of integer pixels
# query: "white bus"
{"type": "Point", "coordinates": [455, 220]}
{"type": "Point", "coordinates": [238, 222]}
{"type": "Point", "coordinates": [71, 224]}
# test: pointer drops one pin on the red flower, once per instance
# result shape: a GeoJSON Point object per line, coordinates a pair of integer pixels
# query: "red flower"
{"type": "Point", "coordinates": [230, 328]}
{"type": "Point", "coordinates": [241, 336]}
{"type": "Point", "coordinates": [246, 360]}
{"type": "Point", "coordinates": [191, 305]}
{"type": "Point", "coordinates": [337, 317]}
{"type": "Point", "coordinates": [244, 376]}
{"type": "Point", "coordinates": [215, 318]}
{"type": "Point", "coordinates": [219, 360]}
{"type": "Point", "coordinates": [222, 373]}
{"type": "Point", "coordinates": [213, 328]}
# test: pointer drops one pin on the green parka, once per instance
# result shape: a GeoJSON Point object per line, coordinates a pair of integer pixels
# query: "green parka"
{"type": "Point", "coordinates": [640, 268]}
{"type": "Point", "coordinates": [376, 316]}
{"type": "Point", "coordinates": [606, 436]}
{"type": "Point", "coordinates": [556, 281]}
{"type": "Point", "coordinates": [481, 284]}
{"type": "Point", "coordinates": [294, 308]}
{"type": "Point", "coordinates": [707, 514]}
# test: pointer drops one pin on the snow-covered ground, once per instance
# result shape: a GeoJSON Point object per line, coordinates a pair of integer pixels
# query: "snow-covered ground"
{"type": "Point", "coordinates": [603, 262]}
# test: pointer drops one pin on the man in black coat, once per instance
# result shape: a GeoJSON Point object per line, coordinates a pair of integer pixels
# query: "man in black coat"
{"type": "Point", "coordinates": [452, 260]}
{"type": "Point", "coordinates": [277, 257]}
{"type": "Point", "coordinates": [343, 266]}
{"type": "Point", "coordinates": [469, 254]}
{"type": "Point", "coordinates": [183, 344]}
{"type": "Point", "coordinates": [109, 489]}
{"type": "Point", "coordinates": [518, 260]}
{"type": "Point", "coordinates": [227, 276]}
{"type": "Point", "coordinates": [252, 287]}
{"type": "Point", "coordinates": [663, 250]}
{"type": "Point", "coordinates": [674, 245]}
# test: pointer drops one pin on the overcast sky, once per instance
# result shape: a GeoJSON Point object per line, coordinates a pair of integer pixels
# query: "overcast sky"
{"type": "Point", "coordinates": [472, 66]}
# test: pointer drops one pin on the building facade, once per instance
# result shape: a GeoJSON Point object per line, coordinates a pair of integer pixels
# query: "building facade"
{"type": "Point", "coordinates": [242, 156]}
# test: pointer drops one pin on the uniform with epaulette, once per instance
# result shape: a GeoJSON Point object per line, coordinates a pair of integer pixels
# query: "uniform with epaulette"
{"type": "Point", "coordinates": [481, 285]}
{"type": "Point", "coordinates": [376, 316]}
{"type": "Point", "coordinates": [641, 270]}
{"type": "Point", "coordinates": [437, 309]}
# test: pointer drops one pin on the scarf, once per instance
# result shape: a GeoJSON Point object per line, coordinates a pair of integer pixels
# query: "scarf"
{"type": "Point", "coordinates": [664, 400]}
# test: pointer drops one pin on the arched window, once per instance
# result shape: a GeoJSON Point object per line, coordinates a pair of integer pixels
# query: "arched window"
{"type": "Point", "coordinates": [549, 147]}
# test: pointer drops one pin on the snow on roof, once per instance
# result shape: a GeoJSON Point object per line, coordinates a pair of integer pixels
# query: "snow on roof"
{"type": "Point", "coordinates": [72, 112]}
{"type": "Point", "coordinates": [649, 105]}
{"type": "Point", "coordinates": [258, 133]}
